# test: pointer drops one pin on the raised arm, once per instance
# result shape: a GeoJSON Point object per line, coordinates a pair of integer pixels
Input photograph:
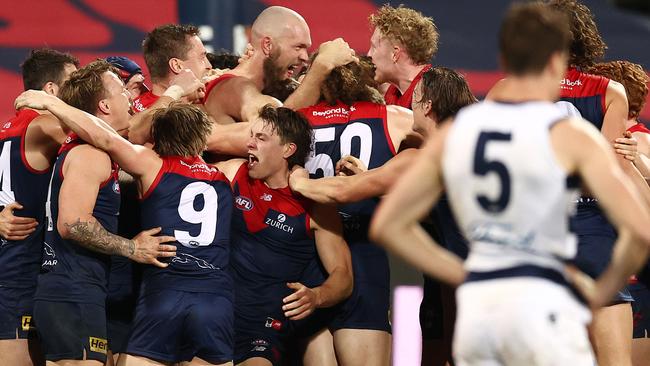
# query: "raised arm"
{"type": "Point", "coordinates": [335, 256]}
{"type": "Point", "coordinates": [330, 55]}
{"type": "Point", "coordinates": [238, 98]}
{"type": "Point", "coordinates": [346, 189]}
{"type": "Point", "coordinates": [183, 85]}
{"type": "Point", "coordinates": [134, 159]}
{"type": "Point", "coordinates": [230, 139]}
{"type": "Point", "coordinates": [396, 221]}
{"type": "Point", "coordinates": [76, 222]}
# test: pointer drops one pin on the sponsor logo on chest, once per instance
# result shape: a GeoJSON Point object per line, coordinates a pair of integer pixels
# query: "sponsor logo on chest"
{"type": "Point", "coordinates": [279, 223]}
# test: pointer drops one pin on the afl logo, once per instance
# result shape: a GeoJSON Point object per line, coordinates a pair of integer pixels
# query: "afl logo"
{"type": "Point", "coordinates": [116, 187]}
{"type": "Point", "coordinates": [243, 203]}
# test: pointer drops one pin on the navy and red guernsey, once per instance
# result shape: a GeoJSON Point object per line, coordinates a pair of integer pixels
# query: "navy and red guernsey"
{"type": "Point", "coordinates": [272, 243]}
{"type": "Point", "coordinates": [191, 201]}
{"type": "Point", "coordinates": [144, 101]}
{"type": "Point", "coordinates": [360, 130]}
{"type": "Point", "coordinates": [215, 82]}
{"type": "Point", "coordinates": [394, 97]}
{"type": "Point", "coordinates": [586, 92]}
{"type": "Point", "coordinates": [20, 260]}
{"type": "Point", "coordinates": [71, 272]}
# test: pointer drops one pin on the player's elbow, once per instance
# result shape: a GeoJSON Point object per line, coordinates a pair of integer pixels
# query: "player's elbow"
{"type": "Point", "coordinates": [381, 229]}
{"type": "Point", "coordinates": [63, 227]}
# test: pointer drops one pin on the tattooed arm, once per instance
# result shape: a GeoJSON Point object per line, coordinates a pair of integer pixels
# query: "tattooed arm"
{"type": "Point", "coordinates": [76, 222]}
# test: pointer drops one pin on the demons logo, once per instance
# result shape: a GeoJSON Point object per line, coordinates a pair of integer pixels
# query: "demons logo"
{"type": "Point", "coordinates": [243, 203]}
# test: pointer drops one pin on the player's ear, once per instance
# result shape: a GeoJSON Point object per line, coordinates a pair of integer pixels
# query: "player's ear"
{"type": "Point", "coordinates": [427, 107]}
{"type": "Point", "coordinates": [289, 149]}
{"type": "Point", "coordinates": [104, 107]}
{"type": "Point", "coordinates": [175, 65]}
{"type": "Point", "coordinates": [266, 43]}
{"type": "Point", "coordinates": [51, 88]}
{"type": "Point", "coordinates": [397, 53]}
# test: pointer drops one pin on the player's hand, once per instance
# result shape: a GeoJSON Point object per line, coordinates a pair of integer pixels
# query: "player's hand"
{"type": "Point", "coordinates": [298, 173]}
{"type": "Point", "coordinates": [148, 248]}
{"type": "Point", "coordinates": [248, 53]}
{"type": "Point", "coordinates": [301, 303]}
{"type": "Point", "coordinates": [627, 147]}
{"type": "Point", "coordinates": [15, 227]}
{"type": "Point", "coordinates": [335, 53]}
{"type": "Point", "coordinates": [213, 74]}
{"type": "Point", "coordinates": [35, 99]}
{"type": "Point", "coordinates": [190, 87]}
{"type": "Point", "coordinates": [350, 165]}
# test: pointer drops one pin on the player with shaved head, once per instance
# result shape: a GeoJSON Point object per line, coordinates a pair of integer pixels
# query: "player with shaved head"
{"type": "Point", "coordinates": [280, 39]}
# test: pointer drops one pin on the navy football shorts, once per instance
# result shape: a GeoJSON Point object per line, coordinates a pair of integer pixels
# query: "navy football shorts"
{"type": "Point", "coordinates": [368, 306]}
{"type": "Point", "coordinates": [596, 238]}
{"type": "Point", "coordinates": [16, 309]}
{"type": "Point", "coordinates": [67, 330]}
{"type": "Point", "coordinates": [176, 326]}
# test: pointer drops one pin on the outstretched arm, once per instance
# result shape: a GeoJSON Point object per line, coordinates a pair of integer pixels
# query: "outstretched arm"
{"type": "Point", "coordinates": [396, 221]}
{"type": "Point", "coordinates": [335, 256]}
{"type": "Point", "coordinates": [330, 55]}
{"type": "Point", "coordinates": [134, 159]}
{"type": "Point", "coordinates": [346, 189]}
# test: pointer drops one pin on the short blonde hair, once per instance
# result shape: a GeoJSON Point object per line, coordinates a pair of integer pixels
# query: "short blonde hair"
{"type": "Point", "coordinates": [408, 28]}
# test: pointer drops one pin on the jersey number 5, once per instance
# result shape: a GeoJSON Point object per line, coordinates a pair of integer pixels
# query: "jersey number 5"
{"type": "Point", "coordinates": [483, 167]}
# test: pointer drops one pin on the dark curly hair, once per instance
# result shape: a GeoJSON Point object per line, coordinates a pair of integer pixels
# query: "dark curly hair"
{"type": "Point", "coordinates": [632, 76]}
{"type": "Point", "coordinates": [352, 82]}
{"type": "Point", "coordinates": [410, 29]}
{"type": "Point", "coordinates": [587, 46]}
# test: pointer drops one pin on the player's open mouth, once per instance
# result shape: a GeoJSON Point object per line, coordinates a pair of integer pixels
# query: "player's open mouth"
{"type": "Point", "coordinates": [252, 160]}
{"type": "Point", "coordinates": [291, 70]}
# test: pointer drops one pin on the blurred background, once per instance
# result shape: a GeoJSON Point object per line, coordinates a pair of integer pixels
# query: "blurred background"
{"type": "Point", "coordinates": [99, 28]}
{"type": "Point", "coordinates": [468, 42]}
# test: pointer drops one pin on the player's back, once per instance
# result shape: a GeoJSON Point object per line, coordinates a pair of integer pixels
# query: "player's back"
{"type": "Point", "coordinates": [507, 190]}
{"type": "Point", "coordinates": [360, 130]}
{"type": "Point", "coordinates": [20, 259]}
{"type": "Point", "coordinates": [191, 201]}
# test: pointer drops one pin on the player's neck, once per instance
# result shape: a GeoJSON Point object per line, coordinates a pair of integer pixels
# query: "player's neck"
{"type": "Point", "coordinates": [159, 87]}
{"type": "Point", "coordinates": [404, 75]}
{"type": "Point", "coordinates": [278, 180]}
{"type": "Point", "coordinates": [527, 88]}
{"type": "Point", "coordinates": [253, 70]}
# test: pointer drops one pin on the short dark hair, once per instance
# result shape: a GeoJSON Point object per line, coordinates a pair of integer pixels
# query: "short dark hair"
{"type": "Point", "coordinates": [44, 65]}
{"type": "Point", "coordinates": [85, 88]}
{"type": "Point", "coordinates": [352, 82]}
{"type": "Point", "coordinates": [164, 43]}
{"type": "Point", "coordinates": [447, 90]}
{"type": "Point", "coordinates": [587, 46]}
{"type": "Point", "coordinates": [291, 127]}
{"type": "Point", "coordinates": [181, 129]}
{"type": "Point", "coordinates": [530, 34]}
{"type": "Point", "coordinates": [223, 60]}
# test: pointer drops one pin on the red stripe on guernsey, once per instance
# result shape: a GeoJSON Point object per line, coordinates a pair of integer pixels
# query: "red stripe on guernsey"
{"type": "Point", "coordinates": [577, 84]}
{"type": "Point", "coordinates": [155, 182]}
{"type": "Point", "coordinates": [384, 117]}
{"type": "Point", "coordinates": [17, 126]}
{"type": "Point", "coordinates": [395, 97]}
{"type": "Point", "coordinates": [144, 101]}
{"type": "Point", "coordinates": [193, 167]}
{"type": "Point", "coordinates": [215, 82]}
{"type": "Point", "coordinates": [323, 114]}
{"type": "Point", "coordinates": [639, 127]}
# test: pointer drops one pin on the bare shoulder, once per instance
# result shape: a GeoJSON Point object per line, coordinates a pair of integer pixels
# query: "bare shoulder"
{"type": "Point", "coordinates": [79, 156]}
{"type": "Point", "coordinates": [229, 167]}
